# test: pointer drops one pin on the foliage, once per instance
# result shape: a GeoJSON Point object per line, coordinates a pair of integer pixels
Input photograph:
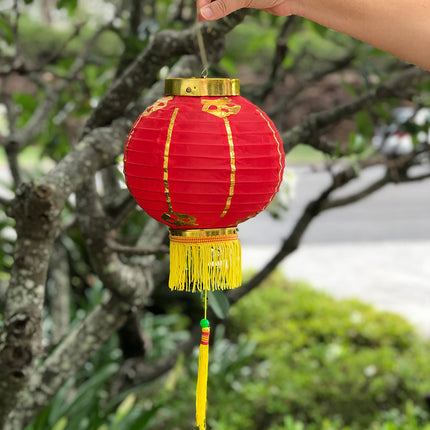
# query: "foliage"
{"type": "Point", "coordinates": [294, 352]}
{"type": "Point", "coordinates": [328, 357]}
{"type": "Point", "coordinates": [413, 418]}
{"type": "Point", "coordinates": [88, 408]}
{"type": "Point", "coordinates": [86, 403]}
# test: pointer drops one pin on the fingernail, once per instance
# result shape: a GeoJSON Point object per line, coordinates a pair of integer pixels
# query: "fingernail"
{"type": "Point", "coordinates": [206, 12]}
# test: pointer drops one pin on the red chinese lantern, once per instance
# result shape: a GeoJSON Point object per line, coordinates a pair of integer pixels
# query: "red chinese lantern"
{"type": "Point", "coordinates": [201, 160]}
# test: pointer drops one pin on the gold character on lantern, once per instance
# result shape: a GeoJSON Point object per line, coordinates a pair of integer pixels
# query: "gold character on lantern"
{"type": "Point", "coordinates": [221, 108]}
{"type": "Point", "coordinates": [159, 104]}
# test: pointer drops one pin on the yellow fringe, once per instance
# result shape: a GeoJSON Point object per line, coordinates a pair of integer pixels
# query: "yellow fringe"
{"type": "Point", "coordinates": [202, 380]}
{"type": "Point", "coordinates": [205, 263]}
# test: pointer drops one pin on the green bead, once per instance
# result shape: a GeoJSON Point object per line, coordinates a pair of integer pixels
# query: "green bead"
{"type": "Point", "coordinates": [204, 323]}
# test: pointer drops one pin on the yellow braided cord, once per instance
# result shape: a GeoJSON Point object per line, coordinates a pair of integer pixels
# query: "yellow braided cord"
{"type": "Point", "coordinates": [202, 380]}
{"type": "Point", "coordinates": [207, 265]}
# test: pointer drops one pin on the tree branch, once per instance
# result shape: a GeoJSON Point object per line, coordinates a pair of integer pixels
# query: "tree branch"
{"type": "Point", "coordinates": [282, 45]}
{"type": "Point", "coordinates": [313, 126]}
{"type": "Point", "coordinates": [65, 361]}
{"type": "Point", "coordinates": [55, 56]}
{"type": "Point", "coordinates": [133, 285]}
{"type": "Point", "coordinates": [37, 209]}
{"type": "Point", "coordinates": [114, 274]}
{"type": "Point", "coordinates": [14, 168]}
{"type": "Point", "coordinates": [416, 178]}
{"type": "Point", "coordinates": [135, 371]}
{"type": "Point", "coordinates": [165, 45]}
{"type": "Point", "coordinates": [396, 172]}
{"type": "Point", "coordinates": [117, 247]}
{"type": "Point", "coordinates": [289, 245]}
{"type": "Point", "coordinates": [59, 293]}
{"type": "Point", "coordinates": [37, 220]}
{"type": "Point", "coordinates": [288, 102]}
{"type": "Point", "coordinates": [20, 137]}
{"type": "Point", "coordinates": [96, 150]}
{"type": "Point", "coordinates": [3, 290]}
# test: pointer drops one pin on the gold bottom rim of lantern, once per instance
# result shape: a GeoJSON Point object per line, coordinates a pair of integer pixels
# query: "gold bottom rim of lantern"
{"type": "Point", "coordinates": [215, 234]}
{"type": "Point", "coordinates": [205, 259]}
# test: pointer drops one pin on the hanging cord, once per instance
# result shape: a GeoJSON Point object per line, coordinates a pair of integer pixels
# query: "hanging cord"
{"type": "Point", "coordinates": [202, 376]}
{"type": "Point", "coordinates": [206, 303]}
{"type": "Point", "coordinates": [202, 49]}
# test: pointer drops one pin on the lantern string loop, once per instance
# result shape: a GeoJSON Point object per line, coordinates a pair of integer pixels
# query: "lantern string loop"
{"type": "Point", "coordinates": [203, 56]}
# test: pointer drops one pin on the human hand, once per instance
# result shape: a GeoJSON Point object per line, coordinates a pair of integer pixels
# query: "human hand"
{"type": "Point", "coordinates": [210, 10]}
{"type": "Point", "coordinates": [403, 31]}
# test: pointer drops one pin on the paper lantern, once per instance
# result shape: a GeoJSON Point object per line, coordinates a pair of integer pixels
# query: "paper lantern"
{"type": "Point", "coordinates": [201, 160]}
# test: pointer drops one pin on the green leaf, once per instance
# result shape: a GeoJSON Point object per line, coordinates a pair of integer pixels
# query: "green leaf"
{"type": "Point", "coordinates": [26, 100]}
{"type": "Point", "coordinates": [85, 398]}
{"type": "Point", "coordinates": [364, 124]}
{"type": "Point", "coordinates": [61, 424]}
{"type": "Point", "coordinates": [357, 143]}
{"type": "Point", "coordinates": [59, 401]}
{"type": "Point", "coordinates": [124, 409]}
{"type": "Point", "coordinates": [219, 303]}
{"type": "Point", "coordinates": [70, 5]}
{"type": "Point", "coordinates": [41, 422]}
{"type": "Point", "coordinates": [6, 32]}
{"type": "Point", "coordinates": [143, 420]}
{"type": "Point", "coordinates": [318, 28]}
{"type": "Point", "coordinates": [229, 65]}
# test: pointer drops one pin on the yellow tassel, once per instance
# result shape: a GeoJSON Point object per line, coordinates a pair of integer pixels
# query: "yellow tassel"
{"type": "Point", "coordinates": [202, 377]}
{"type": "Point", "coordinates": [204, 261]}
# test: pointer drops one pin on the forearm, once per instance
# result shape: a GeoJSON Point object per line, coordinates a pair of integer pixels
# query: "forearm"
{"type": "Point", "coordinates": [401, 27]}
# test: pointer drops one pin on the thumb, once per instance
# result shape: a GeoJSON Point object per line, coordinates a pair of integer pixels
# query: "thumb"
{"type": "Point", "coordinates": [220, 8]}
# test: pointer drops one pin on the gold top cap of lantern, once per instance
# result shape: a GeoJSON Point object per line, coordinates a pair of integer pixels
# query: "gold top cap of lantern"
{"type": "Point", "coordinates": [198, 87]}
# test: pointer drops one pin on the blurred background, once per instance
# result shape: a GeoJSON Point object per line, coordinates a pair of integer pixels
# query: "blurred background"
{"type": "Point", "coordinates": [330, 329]}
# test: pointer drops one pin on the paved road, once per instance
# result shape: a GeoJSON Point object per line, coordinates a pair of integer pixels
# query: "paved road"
{"type": "Point", "coordinates": [377, 250]}
{"type": "Point", "coordinates": [397, 212]}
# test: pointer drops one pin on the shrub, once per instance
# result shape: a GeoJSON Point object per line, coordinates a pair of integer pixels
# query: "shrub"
{"type": "Point", "coordinates": [327, 359]}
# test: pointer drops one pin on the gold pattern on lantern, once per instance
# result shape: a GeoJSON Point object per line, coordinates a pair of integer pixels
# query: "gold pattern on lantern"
{"type": "Point", "coordinates": [232, 166]}
{"type": "Point", "coordinates": [222, 108]}
{"type": "Point", "coordinates": [278, 147]}
{"type": "Point", "coordinates": [173, 218]}
{"type": "Point", "coordinates": [178, 220]}
{"type": "Point", "coordinates": [166, 160]}
{"type": "Point", "coordinates": [159, 104]}
{"type": "Point", "coordinates": [246, 219]}
{"type": "Point", "coordinates": [128, 143]}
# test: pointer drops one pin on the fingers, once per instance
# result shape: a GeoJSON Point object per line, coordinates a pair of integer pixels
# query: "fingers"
{"type": "Point", "coordinates": [200, 4]}
{"type": "Point", "coordinates": [215, 9]}
{"type": "Point", "coordinates": [210, 11]}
